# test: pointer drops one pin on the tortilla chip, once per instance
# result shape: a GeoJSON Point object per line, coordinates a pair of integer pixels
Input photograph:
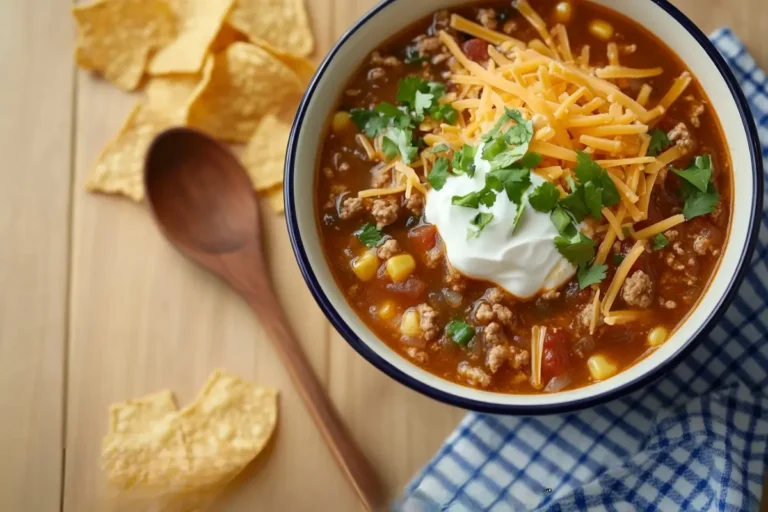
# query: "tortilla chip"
{"type": "Point", "coordinates": [283, 24]}
{"type": "Point", "coordinates": [116, 37]}
{"type": "Point", "coordinates": [227, 35]}
{"type": "Point", "coordinates": [227, 426]}
{"type": "Point", "coordinates": [136, 416]}
{"type": "Point", "coordinates": [275, 199]}
{"type": "Point", "coordinates": [200, 21]}
{"type": "Point", "coordinates": [156, 457]}
{"type": "Point", "coordinates": [264, 157]}
{"type": "Point", "coordinates": [118, 169]}
{"type": "Point", "coordinates": [245, 83]}
{"type": "Point", "coordinates": [170, 94]}
{"type": "Point", "coordinates": [303, 68]}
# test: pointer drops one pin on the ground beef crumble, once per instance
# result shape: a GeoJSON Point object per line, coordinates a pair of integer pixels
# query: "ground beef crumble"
{"type": "Point", "coordinates": [415, 203]}
{"type": "Point", "coordinates": [487, 18]}
{"type": "Point", "coordinates": [388, 249]}
{"type": "Point", "coordinates": [384, 211]}
{"type": "Point", "coordinates": [473, 375]}
{"type": "Point", "coordinates": [492, 333]}
{"type": "Point", "coordinates": [455, 280]}
{"type": "Point", "coordinates": [681, 136]}
{"type": "Point", "coordinates": [496, 357]}
{"type": "Point", "coordinates": [428, 321]}
{"type": "Point", "coordinates": [419, 356]}
{"type": "Point", "coordinates": [350, 208]}
{"type": "Point", "coordinates": [389, 62]}
{"type": "Point", "coordinates": [637, 290]}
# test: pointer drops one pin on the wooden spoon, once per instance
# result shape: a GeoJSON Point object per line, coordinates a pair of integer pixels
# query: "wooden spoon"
{"type": "Point", "coordinates": [204, 203]}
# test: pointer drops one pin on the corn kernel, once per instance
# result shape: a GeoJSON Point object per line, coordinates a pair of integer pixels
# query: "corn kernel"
{"type": "Point", "coordinates": [601, 29]}
{"type": "Point", "coordinates": [601, 368]}
{"type": "Point", "coordinates": [657, 336]}
{"type": "Point", "coordinates": [563, 12]}
{"type": "Point", "coordinates": [410, 325]}
{"type": "Point", "coordinates": [341, 121]}
{"type": "Point", "coordinates": [366, 266]}
{"type": "Point", "coordinates": [386, 310]}
{"type": "Point", "coordinates": [400, 267]}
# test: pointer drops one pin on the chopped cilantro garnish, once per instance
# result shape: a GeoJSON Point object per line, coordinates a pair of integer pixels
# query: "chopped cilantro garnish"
{"type": "Point", "coordinates": [486, 197]}
{"type": "Point", "coordinates": [440, 148]}
{"type": "Point", "coordinates": [560, 219]}
{"type": "Point", "coordinates": [701, 203]}
{"type": "Point", "coordinates": [579, 249]}
{"type": "Point", "coordinates": [659, 142]}
{"type": "Point", "coordinates": [438, 174]}
{"type": "Point", "coordinates": [460, 332]}
{"type": "Point", "coordinates": [369, 235]}
{"type": "Point", "coordinates": [409, 86]}
{"type": "Point", "coordinates": [697, 189]}
{"type": "Point", "coordinates": [413, 55]}
{"type": "Point", "coordinates": [593, 199]}
{"type": "Point", "coordinates": [618, 259]}
{"type": "Point", "coordinates": [698, 174]}
{"type": "Point", "coordinates": [514, 181]}
{"type": "Point", "coordinates": [401, 140]}
{"type": "Point", "coordinates": [479, 222]}
{"type": "Point", "coordinates": [544, 198]}
{"type": "Point", "coordinates": [464, 160]}
{"type": "Point", "coordinates": [575, 204]}
{"type": "Point", "coordinates": [423, 102]}
{"type": "Point", "coordinates": [445, 113]}
{"type": "Point", "coordinates": [611, 195]}
{"type": "Point", "coordinates": [586, 169]}
{"type": "Point", "coordinates": [660, 241]}
{"type": "Point", "coordinates": [588, 276]}
{"type": "Point", "coordinates": [497, 149]}
{"type": "Point", "coordinates": [518, 215]}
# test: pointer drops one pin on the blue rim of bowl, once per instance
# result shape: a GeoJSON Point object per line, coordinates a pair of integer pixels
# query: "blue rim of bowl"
{"type": "Point", "coordinates": [494, 408]}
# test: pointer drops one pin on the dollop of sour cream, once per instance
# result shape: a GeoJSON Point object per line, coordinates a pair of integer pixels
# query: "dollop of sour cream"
{"type": "Point", "coordinates": [524, 263]}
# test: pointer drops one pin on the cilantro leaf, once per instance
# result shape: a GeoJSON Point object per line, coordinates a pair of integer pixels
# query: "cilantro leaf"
{"type": "Point", "coordinates": [369, 235]}
{"type": "Point", "coordinates": [659, 142]}
{"type": "Point", "coordinates": [560, 219]}
{"type": "Point", "coordinates": [586, 169]}
{"type": "Point", "coordinates": [593, 199]}
{"type": "Point", "coordinates": [403, 139]}
{"type": "Point", "coordinates": [389, 148]}
{"type": "Point", "coordinates": [460, 332]}
{"type": "Point", "coordinates": [544, 198]}
{"type": "Point", "coordinates": [592, 275]}
{"type": "Point", "coordinates": [479, 222]}
{"type": "Point", "coordinates": [438, 174]}
{"type": "Point", "coordinates": [444, 113]}
{"type": "Point", "coordinates": [575, 204]}
{"type": "Point", "coordinates": [660, 241]}
{"type": "Point", "coordinates": [530, 160]}
{"type": "Point", "coordinates": [422, 102]}
{"type": "Point", "coordinates": [611, 195]}
{"type": "Point", "coordinates": [618, 258]}
{"type": "Point", "coordinates": [508, 157]}
{"type": "Point", "coordinates": [440, 148]}
{"type": "Point", "coordinates": [486, 197]}
{"type": "Point", "coordinates": [578, 249]}
{"type": "Point", "coordinates": [518, 215]}
{"type": "Point", "coordinates": [368, 121]}
{"type": "Point", "coordinates": [701, 203]}
{"type": "Point", "coordinates": [393, 115]}
{"type": "Point", "coordinates": [520, 133]}
{"type": "Point", "coordinates": [699, 174]}
{"type": "Point", "coordinates": [406, 91]}
{"type": "Point", "coordinates": [464, 160]}
{"type": "Point", "coordinates": [436, 89]}
{"type": "Point", "coordinates": [515, 181]}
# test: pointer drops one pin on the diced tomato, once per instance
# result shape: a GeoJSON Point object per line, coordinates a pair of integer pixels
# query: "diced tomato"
{"type": "Point", "coordinates": [423, 238]}
{"type": "Point", "coordinates": [556, 358]}
{"type": "Point", "coordinates": [413, 288]}
{"type": "Point", "coordinates": [477, 50]}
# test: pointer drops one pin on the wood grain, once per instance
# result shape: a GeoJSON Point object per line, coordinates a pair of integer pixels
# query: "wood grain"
{"type": "Point", "coordinates": [139, 318]}
{"type": "Point", "coordinates": [36, 84]}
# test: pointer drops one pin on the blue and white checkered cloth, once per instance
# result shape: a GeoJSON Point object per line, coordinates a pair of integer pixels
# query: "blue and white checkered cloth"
{"type": "Point", "coordinates": [695, 440]}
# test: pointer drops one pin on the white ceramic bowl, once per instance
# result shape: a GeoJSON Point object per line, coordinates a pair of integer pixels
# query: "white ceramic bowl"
{"type": "Point", "coordinates": [309, 129]}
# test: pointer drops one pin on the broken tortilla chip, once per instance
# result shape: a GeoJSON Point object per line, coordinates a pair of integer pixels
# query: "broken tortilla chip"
{"type": "Point", "coordinates": [264, 156]}
{"type": "Point", "coordinates": [227, 426]}
{"type": "Point", "coordinates": [303, 68]}
{"type": "Point", "coordinates": [275, 199]}
{"type": "Point", "coordinates": [121, 54]}
{"type": "Point", "coordinates": [244, 83]}
{"type": "Point", "coordinates": [138, 415]}
{"type": "Point", "coordinates": [199, 22]}
{"type": "Point", "coordinates": [283, 24]}
{"type": "Point", "coordinates": [118, 170]}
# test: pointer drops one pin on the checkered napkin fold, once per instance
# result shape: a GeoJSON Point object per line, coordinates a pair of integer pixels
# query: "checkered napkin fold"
{"type": "Point", "coordinates": [695, 440]}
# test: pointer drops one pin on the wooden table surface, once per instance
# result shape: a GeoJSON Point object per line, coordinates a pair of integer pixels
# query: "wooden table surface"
{"type": "Point", "coordinates": [95, 307]}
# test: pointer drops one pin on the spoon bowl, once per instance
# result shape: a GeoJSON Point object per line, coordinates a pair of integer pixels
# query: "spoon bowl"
{"type": "Point", "coordinates": [204, 203]}
{"type": "Point", "coordinates": [199, 192]}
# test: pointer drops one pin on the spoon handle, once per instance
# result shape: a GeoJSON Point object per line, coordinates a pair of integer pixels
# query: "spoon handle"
{"type": "Point", "coordinates": [356, 467]}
